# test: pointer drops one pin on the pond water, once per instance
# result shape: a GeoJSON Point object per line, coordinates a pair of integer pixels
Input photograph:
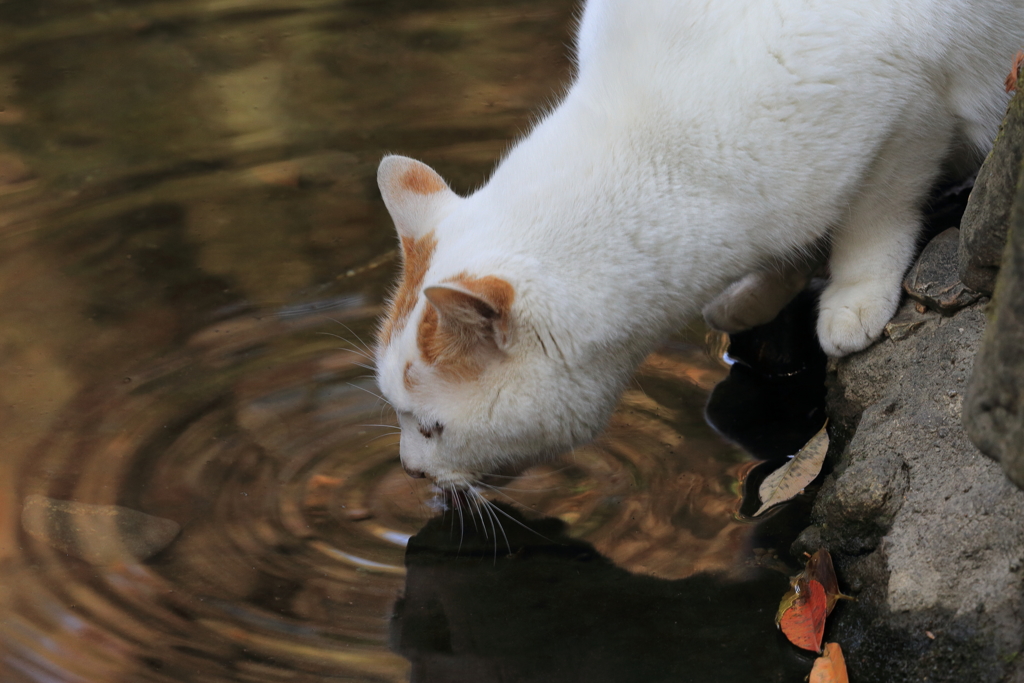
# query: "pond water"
{"type": "Point", "coordinates": [197, 479]}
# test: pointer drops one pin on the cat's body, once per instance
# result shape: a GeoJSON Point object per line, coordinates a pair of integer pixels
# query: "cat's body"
{"type": "Point", "coordinates": [699, 142]}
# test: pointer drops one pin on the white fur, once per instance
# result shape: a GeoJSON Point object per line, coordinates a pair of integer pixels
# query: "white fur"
{"type": "Point", "coordinates": [700, 141]}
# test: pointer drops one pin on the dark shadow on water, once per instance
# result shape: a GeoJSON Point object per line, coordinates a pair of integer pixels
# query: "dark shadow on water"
{"type": "Point", "coordinates": [773, 400]}
{"type": "Point", "coordinates": [543, 606]}
{"type": "Point", "coordinates": [771, 404]}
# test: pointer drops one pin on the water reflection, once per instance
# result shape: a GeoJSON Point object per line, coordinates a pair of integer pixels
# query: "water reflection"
{"type": "Point", "coordinates": [194, 482]}
{"type": "Point", "coordinates": [555, 610]}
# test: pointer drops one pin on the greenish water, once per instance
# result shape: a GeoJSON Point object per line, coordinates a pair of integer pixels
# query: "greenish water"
{"type": "Point", "coordinates": [193, 255]}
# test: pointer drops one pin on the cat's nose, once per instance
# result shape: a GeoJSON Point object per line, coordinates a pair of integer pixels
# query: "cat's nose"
{"type": "Point", "coordinates": [415, 474]}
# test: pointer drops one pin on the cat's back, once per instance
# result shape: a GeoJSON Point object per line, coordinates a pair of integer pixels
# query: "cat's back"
{"type": "Point", "coordinates": [745, 56]}
{"type": "Point", "coordinates": [660, 37]}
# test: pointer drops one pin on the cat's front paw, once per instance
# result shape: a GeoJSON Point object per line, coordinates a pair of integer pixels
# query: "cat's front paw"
{"type": "Point", "coordinates": [851, 318]}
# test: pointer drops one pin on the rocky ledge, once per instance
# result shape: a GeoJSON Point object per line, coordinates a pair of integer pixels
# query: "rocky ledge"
{"type": "Point", "coordinates": [926, 531]}
{"type": "Point", "coordinates": [922, 510]}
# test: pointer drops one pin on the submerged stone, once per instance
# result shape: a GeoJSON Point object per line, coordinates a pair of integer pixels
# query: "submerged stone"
{"type": "Point", "coordinates": [98, 534]}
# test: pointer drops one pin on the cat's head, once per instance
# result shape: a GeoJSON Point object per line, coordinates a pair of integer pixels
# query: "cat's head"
{"type": "Point", "coordinates": [474, 375]}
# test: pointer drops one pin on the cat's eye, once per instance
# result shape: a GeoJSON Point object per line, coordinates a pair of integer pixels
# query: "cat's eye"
{"type": "Point", "coordinates": [433, 430]}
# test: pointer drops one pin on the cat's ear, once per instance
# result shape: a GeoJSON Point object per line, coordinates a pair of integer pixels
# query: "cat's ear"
{"type": "Point", "coordinates": [481, 307]}
{"type": "Point", "coordinates": [415, 195]}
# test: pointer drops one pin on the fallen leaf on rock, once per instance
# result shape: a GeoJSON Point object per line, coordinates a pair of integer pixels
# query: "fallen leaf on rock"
{"type": "Point", "coordinates": [830, 667]}
{"type": "Point", "coordinates": [802, 612]}
{"type": "Point", "coordinates": [98, 534]}
{"type": "Point", "coordinates": [789, 480]}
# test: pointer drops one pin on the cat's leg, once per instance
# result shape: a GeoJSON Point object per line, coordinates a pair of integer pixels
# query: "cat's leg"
{"type": "Point", "coordinates": [874, 246]}
{"type": "Point", "coordinates": [757, 298]}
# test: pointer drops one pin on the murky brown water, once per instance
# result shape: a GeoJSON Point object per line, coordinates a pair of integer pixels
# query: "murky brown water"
{"type": "Point", "coordinates": [193, 247]}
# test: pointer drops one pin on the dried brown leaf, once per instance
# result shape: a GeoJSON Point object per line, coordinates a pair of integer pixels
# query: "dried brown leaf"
{"type": "Point", "coordinates": [789, 480]}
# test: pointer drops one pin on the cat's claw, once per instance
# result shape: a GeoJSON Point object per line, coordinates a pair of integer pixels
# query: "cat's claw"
{"type": "Point", "coordinates": [849, 321]}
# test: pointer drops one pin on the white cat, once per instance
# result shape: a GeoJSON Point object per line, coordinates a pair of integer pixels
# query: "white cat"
{"type": "Point", "coordinates": [701, 141]}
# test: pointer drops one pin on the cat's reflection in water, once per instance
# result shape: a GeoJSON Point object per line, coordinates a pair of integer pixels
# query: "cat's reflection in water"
{"type": "Point", "coordinates": [534, 605]}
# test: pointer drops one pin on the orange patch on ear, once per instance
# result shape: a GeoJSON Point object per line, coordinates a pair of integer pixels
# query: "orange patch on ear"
{"type": "Point", "coordinates": [447, 347]}
{"type": "Point", "coordinates": [427, 340]}
{"type": "Point", "coordinates": [495, 291]}
{"type": "Point", "coordinates": [416, 256]}
{"type": "Point", "coordinates": [455, 348]}
{"type": "Point", "coordinates": [421, 180]}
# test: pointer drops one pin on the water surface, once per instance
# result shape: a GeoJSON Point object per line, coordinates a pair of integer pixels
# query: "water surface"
{"type": "Point", "coordinates": [194, 257]}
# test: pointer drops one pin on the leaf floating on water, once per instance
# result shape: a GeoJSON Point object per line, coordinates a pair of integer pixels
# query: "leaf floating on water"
{"type": "Point", "coordinates": [814, 593]}
{"type": "Point", "coordinates": [789, 480]}
{"type": "Point", "coordinates": [830, 667]}
{"type": "Point", "coordinates": [98, 534]}
{"type": "Point", "coordinates": [820, 568]}
{"type": "Point", "coordinates": [801, 614]}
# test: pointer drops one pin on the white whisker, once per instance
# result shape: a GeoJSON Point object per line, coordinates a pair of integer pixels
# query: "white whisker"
{"type": "Point", "coordinates": [382, 436]}
{"type": "Point", "coordinates": [527, 475]}
{"type": "Point", "coordinates": [481, 506]}
{"type": "Point", "coordinates": [490, 508]}
{"type": "Point", "coordinates": [512, 488]}
{"type": "Point", "coordinates": [462, 521]}
{"type": "Point", "coordinates": [476, 506]}
{"type": "Point", "coordinates": [355, 349]}
{"type": "Point", "coordinates": [352, 332]}
{"type": "Point", "coordinates": [490, 517]}
{"type": "Point", "coordinates": [534, 531]}
{"type": "Point", "coordinates": [508, 545]}
{"type": "Point", "coordinates": [356, 386]}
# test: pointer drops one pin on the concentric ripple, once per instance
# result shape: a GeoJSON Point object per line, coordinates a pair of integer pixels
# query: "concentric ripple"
{"type": "Point", "coordinates": [266, 443]}
{"type": "Point", "coordinates": [198, 481]}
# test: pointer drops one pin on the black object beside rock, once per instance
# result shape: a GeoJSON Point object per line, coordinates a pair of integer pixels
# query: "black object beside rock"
{"type": "Point", "coordinates": [773, 400]}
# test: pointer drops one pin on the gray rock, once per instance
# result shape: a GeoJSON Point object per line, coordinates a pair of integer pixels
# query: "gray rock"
{"type": "Point", "coordinates": [994, 414]}
{"type": "Point", "coordinates": [925, 530]}
{"type": "Point", "coordinates": [933, 280]}
{"type": "Point", "coordinates": [983, 228]}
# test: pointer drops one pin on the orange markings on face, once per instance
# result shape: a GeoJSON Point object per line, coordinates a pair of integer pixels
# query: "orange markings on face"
{"type": "Point", "coordinates": [416, 255]}
{"type": "Point", "coordinates": [453, 348]}
{"type": "Point", "coordinates": [421, 181]}
{"type": "Point", "coordinates": [407, 377]}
